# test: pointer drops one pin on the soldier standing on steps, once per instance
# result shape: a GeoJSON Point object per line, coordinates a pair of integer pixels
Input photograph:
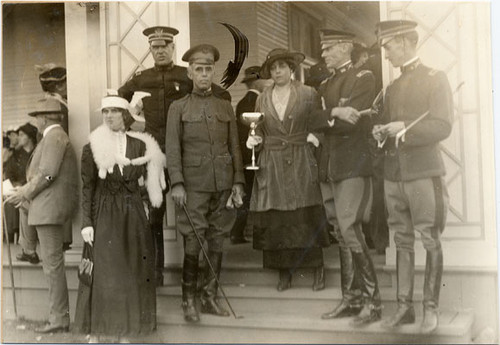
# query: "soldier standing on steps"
{"type": "Point", "coordinates": [345, 171]}
{"type": "Point", "coordinates": [166, 82]}
{"type": "Point", "coordinates": [416, 194]}
{"type": "Point", "coordinates": [205, 166]}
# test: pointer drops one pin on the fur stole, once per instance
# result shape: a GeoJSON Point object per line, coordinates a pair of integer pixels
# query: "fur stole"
{"type": "Point", "coordinates": [102, 143]}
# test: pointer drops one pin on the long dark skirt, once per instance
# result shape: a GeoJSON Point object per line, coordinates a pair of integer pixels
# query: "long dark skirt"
{"type": "Point", "coordinates": [123, 290]}
{"type": "Point", "coordinates": [291, 239]}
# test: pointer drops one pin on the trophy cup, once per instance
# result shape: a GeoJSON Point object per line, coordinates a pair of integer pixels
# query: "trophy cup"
{"type": "Point", "coordinates": [252, 119]}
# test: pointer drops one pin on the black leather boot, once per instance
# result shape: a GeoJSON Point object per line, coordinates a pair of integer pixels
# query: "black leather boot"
{"type": "Point", "coordinates": [372, 309]}
{"type": "Point", "coordinates": [209, 303]}
{"type": "Point", "coordinates": [189, 279]}
{"type": "Point", "coordinates": [351, 302]}
{"type": "Point", "coordinates": [319, 278]}
{"type": "Point", "coordinates": [285, 281]}
{"type": "Point", "coordinates": [405, 314]}
{"type": "Point", "coordinates": [432, 287]}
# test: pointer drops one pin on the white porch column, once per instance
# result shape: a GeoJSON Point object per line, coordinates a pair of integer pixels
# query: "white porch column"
{"type": "Point", "coordinates": [84, 77]}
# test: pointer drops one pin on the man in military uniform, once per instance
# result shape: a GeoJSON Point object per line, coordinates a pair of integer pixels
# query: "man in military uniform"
{"type": "Point", "coordinates": [345, 174]}
{"type": "Point", "coordinates": [166, 82]}
{"type": "Point", "coordinates": [416, 194]}
{"type": "Point", "coordinates": [205, 167]}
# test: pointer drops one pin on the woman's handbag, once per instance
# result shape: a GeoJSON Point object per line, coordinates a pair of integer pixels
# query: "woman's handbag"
{"type": "Point", "coordinates": [84, 299]}
{"type": "Point", "coordinates": [86, 265]}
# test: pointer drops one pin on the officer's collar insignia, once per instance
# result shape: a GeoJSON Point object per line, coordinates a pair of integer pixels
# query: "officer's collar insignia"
{"type": "Point", "coordinates": [411, 66]}
{"type": "Point", "coordinates": [345, 67]}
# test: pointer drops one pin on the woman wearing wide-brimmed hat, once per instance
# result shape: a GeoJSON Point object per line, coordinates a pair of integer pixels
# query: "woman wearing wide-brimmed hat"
{"type": "Point", "coordinates": [286, 195]}
{"type": "Point", "coordinates": [122, 175]}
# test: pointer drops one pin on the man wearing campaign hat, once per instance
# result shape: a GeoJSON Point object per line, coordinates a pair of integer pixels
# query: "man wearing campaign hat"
{"type": "Point", "coordinates": [51, 196]}
{"type": "Point", "coordinates": [417, 116]}
{"type": "Point", "coordinates": [345, 174]}
{"type": "Point", "coordinates": [255, 84]}
{"type": "Point", "coordinates": [206, 172]}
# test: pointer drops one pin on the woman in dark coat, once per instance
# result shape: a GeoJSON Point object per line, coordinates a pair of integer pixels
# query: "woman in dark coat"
{"type": "Point", "coordinates": [115, 208]}
{"type": "Point", "coordinates": [289, 227]}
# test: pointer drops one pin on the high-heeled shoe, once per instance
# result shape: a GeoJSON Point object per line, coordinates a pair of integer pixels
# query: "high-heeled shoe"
{"type": "Point", "coordinates": [319, 279]}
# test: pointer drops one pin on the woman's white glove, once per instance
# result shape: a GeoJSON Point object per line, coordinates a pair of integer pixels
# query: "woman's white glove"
{"type": "Point", "coordinates": [253, 140]}
{"type": "Point", "coordinates": [88, 234]}
{"type": "Point", "coordinates": [311, 138]}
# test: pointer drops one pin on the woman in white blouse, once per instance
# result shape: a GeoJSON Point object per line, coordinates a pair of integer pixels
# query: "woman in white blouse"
{"type": "Point", "coordinates": [289, 227]}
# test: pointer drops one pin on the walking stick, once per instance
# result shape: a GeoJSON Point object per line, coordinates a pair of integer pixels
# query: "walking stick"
{"type": "Point", "coordinates": [10, 260]}
{"type": "Point", "coordinates": [205, 254]}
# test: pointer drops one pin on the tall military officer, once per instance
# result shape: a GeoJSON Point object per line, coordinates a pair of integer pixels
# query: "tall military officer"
{"type": "Point", "coordinates": [416, 194]}
{"type": "Point", "coordinates": [345, 174]}
{"type": "Point", "coordinates": [166, 82]}
{"type": "Point", "coordinates": [205, 166]}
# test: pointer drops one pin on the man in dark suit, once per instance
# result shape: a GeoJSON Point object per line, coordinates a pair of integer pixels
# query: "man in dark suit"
{"type": "Point", "coordinates": [345, 170]}
{"type": "Point", "coordinates": [51, 196]}
{"type": "Point", "coordinates": [255, 85]}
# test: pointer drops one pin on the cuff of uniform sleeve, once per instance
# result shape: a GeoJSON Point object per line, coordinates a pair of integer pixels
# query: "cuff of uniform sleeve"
{"type": "Point", "coordinates": [176, 178]}
{"type": "Point", "coordinates": [239, 177]}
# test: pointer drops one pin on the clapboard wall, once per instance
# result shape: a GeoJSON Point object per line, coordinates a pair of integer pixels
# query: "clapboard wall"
{"type": "Point", "coordinates": [32, 34]}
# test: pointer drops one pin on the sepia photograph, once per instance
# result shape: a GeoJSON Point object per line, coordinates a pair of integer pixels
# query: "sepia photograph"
{"type": "Point", "coordinates": [248, 172]}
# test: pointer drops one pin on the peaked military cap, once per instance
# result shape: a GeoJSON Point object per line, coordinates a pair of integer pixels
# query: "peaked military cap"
{"type": "Point", "coordinates": [160, 33]}
{"type": "Point", "coordinates": [330, 37]}
{"type": "Point", "coordinates": [205, 54]}
{"type": "Point", "coordinates": [387, 30]}
{"type": "Point", "coordinates": [251, 73]}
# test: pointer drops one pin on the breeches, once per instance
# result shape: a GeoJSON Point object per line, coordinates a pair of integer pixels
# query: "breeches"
{"type": "Point", "coordinates": [210, 217]}
{"type": "Point", "coordinates": [419, 205]}
{"type": "Point", "coordinates": [348, 203]}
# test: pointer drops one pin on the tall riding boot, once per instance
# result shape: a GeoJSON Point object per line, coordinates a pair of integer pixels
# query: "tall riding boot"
{"type": "Point", "coordinates": [209, 303]}
{"type": "Point", "coordinates": [285, 281]}
{"type": "Point", "coordinates": [372, 309]}
{"type": "Point", "coordinates": [351, 302]}
{"type": "Point", "coordinates": [405, 267]}
{"type": "Point", "coordinates": [432, 286]}
{"type": "Point", "coordinates": [189, 280]}
{"type": "Point", "coordinates": [319, 278]}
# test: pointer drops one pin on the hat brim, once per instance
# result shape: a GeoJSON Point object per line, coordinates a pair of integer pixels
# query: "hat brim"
{"type": "Point", "coordinates": [36, 113]}
{"type": "Point", "coordinates": [247, 79]}
{"type": "Point", "coordinates": [295, 58]}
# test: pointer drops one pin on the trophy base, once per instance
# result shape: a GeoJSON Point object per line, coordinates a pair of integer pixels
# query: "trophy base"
{"type": "Point", "coordinates": [251, 167]}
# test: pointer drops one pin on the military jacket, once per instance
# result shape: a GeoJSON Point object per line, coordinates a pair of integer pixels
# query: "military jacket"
{"type": "Point", "coordinates": [417, 90]}
{"type": "Point", "coordinates": [345, 152]}
{"type": "Point", "coordinates": [165, 84]}
{"type": "Point", "coordinates": [202, 144]}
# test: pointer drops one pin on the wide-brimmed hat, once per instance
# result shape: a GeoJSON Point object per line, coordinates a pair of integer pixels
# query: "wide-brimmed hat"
{"type": "Point", "coordinates": [295, 58]}
{"type": "Point", "coordinates": [47, 106]}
